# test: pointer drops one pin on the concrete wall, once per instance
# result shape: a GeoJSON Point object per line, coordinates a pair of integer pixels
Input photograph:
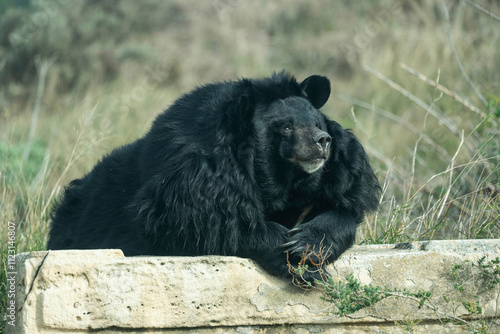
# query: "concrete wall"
{"type": "Point", "coordinates": [102, 291]}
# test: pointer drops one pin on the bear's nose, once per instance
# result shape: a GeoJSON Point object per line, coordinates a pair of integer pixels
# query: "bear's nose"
{"type": "Point", "coordinates": [322, 139]}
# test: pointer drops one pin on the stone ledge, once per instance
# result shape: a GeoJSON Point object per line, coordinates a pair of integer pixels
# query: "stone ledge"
{"type": "Point", "coordinates": [103, 291]}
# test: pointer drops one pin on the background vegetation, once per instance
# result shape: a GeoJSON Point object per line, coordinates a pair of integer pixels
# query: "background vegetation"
{"type": "Point", "coordinates": [418, 81]}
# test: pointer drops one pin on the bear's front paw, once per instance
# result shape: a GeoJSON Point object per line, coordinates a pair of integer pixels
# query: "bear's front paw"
{"type": "Point", "coordinates": [309, 244]}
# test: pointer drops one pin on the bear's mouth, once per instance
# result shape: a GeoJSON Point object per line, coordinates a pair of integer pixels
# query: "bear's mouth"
{"type": "Point", "coordinates": [310, 165]}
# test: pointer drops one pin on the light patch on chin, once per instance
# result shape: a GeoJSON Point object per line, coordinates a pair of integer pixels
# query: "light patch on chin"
{"type": "Point", "coordinates": [312, 166]}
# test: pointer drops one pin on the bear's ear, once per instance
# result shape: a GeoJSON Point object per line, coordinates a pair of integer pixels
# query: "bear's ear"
{"type": "Point", "coordinates": [317, 90]}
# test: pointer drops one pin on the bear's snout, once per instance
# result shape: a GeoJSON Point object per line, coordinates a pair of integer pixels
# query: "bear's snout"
{"type": "Point", "coordinates": [323, 140]}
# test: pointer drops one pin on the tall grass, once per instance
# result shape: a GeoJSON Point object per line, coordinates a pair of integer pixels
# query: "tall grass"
{"type": "Point", "coordinates": [434, 143]}
{"type": "Point", "coordinates": [460, 200]}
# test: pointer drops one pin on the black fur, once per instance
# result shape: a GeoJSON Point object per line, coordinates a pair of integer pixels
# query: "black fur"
{"type": "Point", "coordinates": [228, 169]}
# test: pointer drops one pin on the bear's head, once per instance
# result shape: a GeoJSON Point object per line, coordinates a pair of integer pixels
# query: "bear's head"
{"type": "Point", "coordinates": [297, 132]}
{"type": "Point", "coordinates": [288, 127]}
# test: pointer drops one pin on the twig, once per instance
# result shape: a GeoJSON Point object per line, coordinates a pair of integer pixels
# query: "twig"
{"type": "Point", "coordinates": [395, 119]}
{"type": "Point", "coordinates": [442, 118]}
{"type": "Point", "coordinates": [481, 9]}
{"type": "Point", "coordinates": [376, 153]}
{"type": "Point", "coordinates": [452, 164]}
{"type": "Point", "coordinates": [455, 54]}
{"type": "Point", "coordinates": [443, 89]}
{"type": "Point", "coordinates": [372, 231]}
{"type": "Point", "coordinates": [439, 116]}
{"type": "Point", "coordinates": [43, 68]}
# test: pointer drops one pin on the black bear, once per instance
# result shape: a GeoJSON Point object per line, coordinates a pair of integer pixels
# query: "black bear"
{"type": "Point", "coordinates": [249, 168]}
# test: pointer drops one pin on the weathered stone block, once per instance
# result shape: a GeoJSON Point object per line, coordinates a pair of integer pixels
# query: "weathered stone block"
{"type": "Point", "coordinates": [101, 290]}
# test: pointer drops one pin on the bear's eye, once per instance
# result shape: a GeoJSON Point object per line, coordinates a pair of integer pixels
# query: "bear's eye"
{"type": "Point", "coordinates": [287, 129]}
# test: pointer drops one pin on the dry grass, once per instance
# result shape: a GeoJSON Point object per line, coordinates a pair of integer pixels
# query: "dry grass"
{"type": "Point", "coordinates": [459, 201]}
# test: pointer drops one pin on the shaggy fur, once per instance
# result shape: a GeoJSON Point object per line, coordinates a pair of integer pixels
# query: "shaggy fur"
{"type": "Point", "coordinates": [230, 168]}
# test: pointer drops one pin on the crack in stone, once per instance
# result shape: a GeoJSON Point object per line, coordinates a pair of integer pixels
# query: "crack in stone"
{"type": "Point", "coordinates": [366, 316]}
{"type": "Point", "coordinates": [33, 281]}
